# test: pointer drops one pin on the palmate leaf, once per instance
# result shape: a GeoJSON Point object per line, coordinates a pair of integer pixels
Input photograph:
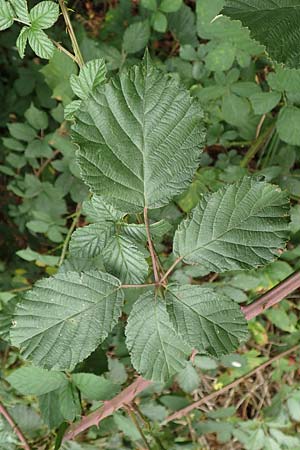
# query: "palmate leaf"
{"type": "Point", "coordinates": [64, 318]}
{"type": "Point", "coordinates": [241, 226]}
{"type": "Point", "coordinates": [123, 259]}
{"type": "Point", "coordinates": [282, 40]}
{"type": "Point", "coordinates": [140, 136]}
{"type": "Point", "coordinates": [157, 352]}
{"type": "Point", "coordinates": [208, 321]}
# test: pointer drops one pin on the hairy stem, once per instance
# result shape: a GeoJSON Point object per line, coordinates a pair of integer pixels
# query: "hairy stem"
{"type": "Point", "coordinates": [69, 234]}
{"type": "Point", "coordinates": [132, 415]}
{"type": "Point", "coordinates": [64, 50]}
{"type": "Point", "coordinates": [124, 398]}
{"type": "Point", "coordinates": [256, 146]}
{"type": "Point", "coordinates": [272, 297]}
{"type": "Point", "coordinates": [14, 427]}
{"type": "Point", "coordinates": [78, 55]}
{"type": "Point", "coordinates": [151, 247]}
{"type": "Point", "coordinates": [183, 412]}
{"type": "Point", "coordinates": [177, 261]}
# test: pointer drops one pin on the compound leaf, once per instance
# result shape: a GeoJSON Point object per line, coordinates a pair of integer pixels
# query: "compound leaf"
{"type": "Point", "coordinates": [282, 17]}
{"type": "Point", "coordinates": [64, 318]}
{"type": "Point", "coordinates": [92, 74]}
{"type": "Point", "coordinates": [208, 321]}
{"type": "Point", "coordinates": [44, 15]}
{"type": "Point", "coordinates": [157, 352]}
{"type": "Point", "coordinates": [241, 226]}
{"type": "Point", "coordinates": [123, 259]}
{"type": "Point", "coordinates": [89, 241]}
{"type": "Point", "coordinates": [140, 137]}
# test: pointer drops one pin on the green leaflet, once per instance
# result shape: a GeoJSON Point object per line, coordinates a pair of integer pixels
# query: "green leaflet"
{"type": "Point", "coordinates": [138, 231]}
{"type": "Point", "coordinates": [123, 259]}
{"type": "Point", "coordinates": [282, 17]}
{"type": "Point", "coordinates": [209, 322]}
{"type": "Point", "coordinates": [91, 75]}
{"type": "Point", "coordinates": [136, 37]}
{"type": "Point", "coordinates": [21, 9]}
{"type": "Point", "coordinates": [241, 226]}
{"type": "Point", "coordinates": [140, 136]}
{"type": "Point", "coordinates": [36, 381]}
{"type": "Point", "coordinates": [64, 318]}
{"type": "Point", "coordinates": [98, 210]}
{"type": "Point", "coordinates": [89, 241]}
{"type": "Point", "coordinates": [157, 352]}
{"type": "Point", "coordinates": [44, 15]}
{"type": "Point", "coordinates": [6, 15]}
{"type": "Point", "coordinates": [94, 387]}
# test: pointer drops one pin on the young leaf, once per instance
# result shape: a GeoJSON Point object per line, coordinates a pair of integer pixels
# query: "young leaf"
{"type": "Point", "coordinates": [241, 226]}
{"type": "Point", "coordinates": [36, 118]}
{"type": "Point", "coordinates": [209, 322]}
{"type": "Point", "coordinates": [144, 146]}
{"type": "Point", "coordinates": [169, 6]}
{"type": "Point", "coordinates": [287, 125]}
{"type": "Point", "coordinates": [94, 387]}
{"type": "Point", "coordinates": [123, 259]}
{"type": "Point", "coordinates": [89, 241]}
{"type": "Point", "coordinates": [22, 41]}
{"type": "Point", "coordinates": [91, 75]}
{"type": "Point", "coordinates": [136, 37]}
{"type": "Point", "coordinates": [50, 409]}
{"type": "Point", "coordinates": [64, 318]}
{"type": "Point", "coordinates": [149, 4]}
{"type": "Point", "coordinates": [69, 402]}
{"type": "Point", "coordinates": [6, 15]}
{"type": "Point", "coordinates": [160, 22]}
{"type": "Point", "coordinates": [188, 379]}
{"type": "Point", "coordinates": [40, 43]}
{"type": "Point", "coordinates": [44, 15]}
{"type": "Point", "coordinates": [264, 102]}
{"type": "Point", "coordinates": [157, 352]}
{"type": "Point", "coordinates": [282, 40]}
{"type": "Point", "coordinates": [36, 381]}
{"type": "Point", "coordinates": [21, 9]}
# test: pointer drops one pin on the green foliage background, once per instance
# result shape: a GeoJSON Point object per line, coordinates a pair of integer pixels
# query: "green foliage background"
{"type": "Point", "coordinates": [251, 109]}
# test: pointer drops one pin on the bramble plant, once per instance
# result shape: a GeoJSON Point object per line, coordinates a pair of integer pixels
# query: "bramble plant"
{"type": "Point", "coordinates": [139, 136]}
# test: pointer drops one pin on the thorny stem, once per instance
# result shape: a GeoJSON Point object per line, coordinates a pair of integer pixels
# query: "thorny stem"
{"type": "Point", "coordinates": [151, 248]}
{"type": "Point", "coordinates": [183, 412]}
{"type": "Point", "coordinates": [272, 297]}
{"type": "Point", "coordinates": [68, 237]}
{"type": "Point", "coordinates": [78, 55]}
{"type": "Point", "coordinates": [64, 50]}
{"type": "Point", "coordinates": [14, 427]}
{"type": "Point", "coordinates": [124, 398]}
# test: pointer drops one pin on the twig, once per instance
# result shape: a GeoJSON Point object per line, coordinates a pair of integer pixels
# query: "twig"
{"type": "Point", "coordinates": [259, 126]}
{"type": "Point", "coordinates": [45, 163]}
{"type": "Point", "coordinates": [256, 146]}
{"type": "Point", "coordinates": [69, 234]}
{"type": "Point", "coordinates": [78, 55]}
{"type": "Point", "coordinates": [151, 248]}
{"type": "Point", "coordinates": [272, 297]}
{"type": "Point", "coordinates": [183, 412]}
{"type": "Point", "coordinates": [109, 407]}
{"type": "Point", "coordinates": [132, 416]}
{"type": "Point", "coordinates": [177, 261]}
{"type": "Point", "coordinates": [64, 50]}
{"type": "Point", "coordinates": [14, 426]}
{"type": "Point", "coordinates": [136, 286]}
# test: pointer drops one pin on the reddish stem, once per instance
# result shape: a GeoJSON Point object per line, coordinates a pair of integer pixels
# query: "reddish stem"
{"type": "Point", "coordinates": [109, 407]}
{"type": "Point", "coordinates": [272, 297]}
{"type": "Point", "coordinates": [14, 427]}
